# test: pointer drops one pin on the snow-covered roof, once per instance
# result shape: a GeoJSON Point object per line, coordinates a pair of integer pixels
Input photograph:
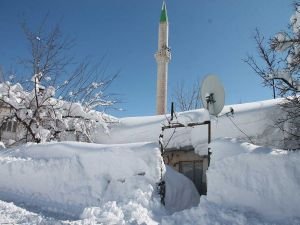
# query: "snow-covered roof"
{"type": "Point", "coordinates": [249, 120]}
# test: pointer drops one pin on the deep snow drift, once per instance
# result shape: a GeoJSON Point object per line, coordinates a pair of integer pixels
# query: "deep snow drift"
{"type": "Point", "coordinates": [263, 179]}
{"type": "Point", "coordinates": [247, 184]}
{"type": "Point", "coordinates": [78, 180]}
{"type": "Point", "coordinates": [116, 183]}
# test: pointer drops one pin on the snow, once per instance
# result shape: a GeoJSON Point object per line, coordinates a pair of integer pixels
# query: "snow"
{"type": "Point", "coordinates": [295, 20]}
{"type": "Point", "coordinates": [11, 77]}
{"type": "Point", "coordinates": [247, 184]}
{"type": "Point", "coordinates": [57, 116]}
{"type": "Point", "coordinates": [187, 192]}
{"type": "Point", "coordinates": [286, 76]}
{"type": "Point", "coordinates": [58, 182]}
{"type": "Point", "coordinates": [92, 182]}
{"type": "Point", "coordinates": [89, 174]}
{"type": "Point", "coordinates": [263, 179]}
{"type": "Point", "coordinates": [146, 128]}
{"type": "Point", "coordinates": [283, 42]}
{"type": "Point", "coordinates": [210, 213]}
{"type": "Point", "coordinates": [250, 120]}
{"type": "Point", "coordinates": [48, 78]}
{"type": "Point", "coordinates": [12, 214]}
{"type": "Point", "coordinates": [116, 182]}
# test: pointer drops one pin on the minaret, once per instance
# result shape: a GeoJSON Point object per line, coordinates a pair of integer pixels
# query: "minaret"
{"type": "Point", "coordinates": [162, 56]}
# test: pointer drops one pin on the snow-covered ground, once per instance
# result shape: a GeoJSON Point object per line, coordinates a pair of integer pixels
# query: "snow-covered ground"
{"type": "Point", "coordinates": [115, 182]}
{"type": "Point", "coordinates": [247, 184]}
{"type": "Point", "coordinates": [71, 183]}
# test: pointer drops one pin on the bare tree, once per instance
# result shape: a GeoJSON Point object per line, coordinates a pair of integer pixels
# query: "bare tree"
{"type": "Point", "coordinates": [281, 71]}
{"type": "Point", "coordinates": [186, 98]}
{"type": "Point", "coordinates": [57, 95]}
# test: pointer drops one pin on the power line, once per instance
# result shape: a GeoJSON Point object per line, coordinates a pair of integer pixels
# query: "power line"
{"type": "Point", "coordinates": [240, 129]}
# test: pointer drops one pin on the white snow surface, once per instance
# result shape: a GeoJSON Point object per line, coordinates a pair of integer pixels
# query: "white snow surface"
{"type": "Point", "coordinates": [253, 122]}
{"type": "Point", "coordinates": [111, 184]}
{"type": "Point", "coordinates": [59, 182]}
{"type": "Point", "coordinates": [65, 178]}
{"type": "Point", "coordinates": [247, 184]}
{"type": "Point", "coordinates": [115, 182]}
{"type": "Point", "coordinates": [179, 185]}
{"type": "Point", "coordinates": [262, 179]}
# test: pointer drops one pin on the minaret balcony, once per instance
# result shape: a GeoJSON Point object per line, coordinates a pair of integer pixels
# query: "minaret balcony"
{"type": "Point", "coordinates": [163, 55]}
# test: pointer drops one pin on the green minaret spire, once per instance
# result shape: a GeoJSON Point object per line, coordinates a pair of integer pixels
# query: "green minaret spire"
{"type": "Point", "coordinates": [163, 15]}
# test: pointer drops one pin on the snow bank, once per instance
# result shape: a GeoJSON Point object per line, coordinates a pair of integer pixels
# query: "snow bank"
{"type": "Point", "coordinates": [116, 184]}
{"type": "Point", "coordinates": [247, 184]}
{"type": "Point", "coordinates": [109, 184]}
{"type": "Point", "coordinates": [11, 214]}
{"type": "Point", "coordinates": [210, 213]}
{"type": "Point", "coordinates": [263, 179]}
{"type": "Point", "coordinates": [181, 193]}
{"type": "Point", "coordinates": [65, 178]}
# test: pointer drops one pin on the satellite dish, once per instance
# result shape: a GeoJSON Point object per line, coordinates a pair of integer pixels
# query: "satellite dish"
{"type": "Point", "coordinates": [212, 94]}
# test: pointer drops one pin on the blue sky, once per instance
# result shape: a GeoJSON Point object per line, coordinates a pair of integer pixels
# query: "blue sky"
{"type": "Point", "coordinates": [206, 36]}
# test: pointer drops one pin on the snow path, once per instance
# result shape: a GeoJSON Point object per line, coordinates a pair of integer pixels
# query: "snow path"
{"type": "Point", "coordinates": [209, 213]}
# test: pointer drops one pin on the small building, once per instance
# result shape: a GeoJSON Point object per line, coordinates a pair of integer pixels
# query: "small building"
{"type": "Point", "coordinates": [181, 149]}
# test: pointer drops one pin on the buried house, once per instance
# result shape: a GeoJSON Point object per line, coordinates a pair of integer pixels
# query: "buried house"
{"type": "Point", "coordinates": [185, 142]}
{"type": "Point", "coordinates": [183, 157]}
{"type": "Point", "coordinates": [186, 139]}
{"type": "Point", "coordinates": [186, 147]}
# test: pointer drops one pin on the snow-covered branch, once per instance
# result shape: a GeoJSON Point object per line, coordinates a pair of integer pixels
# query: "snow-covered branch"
{"type": "Point", "coordinates": [56, 94]}
{"type": "Point", "coordinates": [281, 71]}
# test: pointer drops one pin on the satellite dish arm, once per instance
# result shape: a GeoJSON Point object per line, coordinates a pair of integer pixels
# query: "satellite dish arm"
{"type": "Point", "coordinates": [209, 99]}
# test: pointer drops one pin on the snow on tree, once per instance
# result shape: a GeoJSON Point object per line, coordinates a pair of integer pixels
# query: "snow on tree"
{"type": "Point", "coordinates": [58, 95]}
{"type": "Point", "coordinates": [41, 117]}
{"type": "Point", "coordinates": [281, 71]}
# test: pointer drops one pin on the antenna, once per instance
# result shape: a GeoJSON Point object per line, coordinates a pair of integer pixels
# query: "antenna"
{"type": "Point", "coordinates": [212, 94]}
{"type": "Point", "coordinates": [172, 111]}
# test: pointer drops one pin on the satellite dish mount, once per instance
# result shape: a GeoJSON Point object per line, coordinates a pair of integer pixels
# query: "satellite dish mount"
{"type": "Point", "coordinates": [209, 99]}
